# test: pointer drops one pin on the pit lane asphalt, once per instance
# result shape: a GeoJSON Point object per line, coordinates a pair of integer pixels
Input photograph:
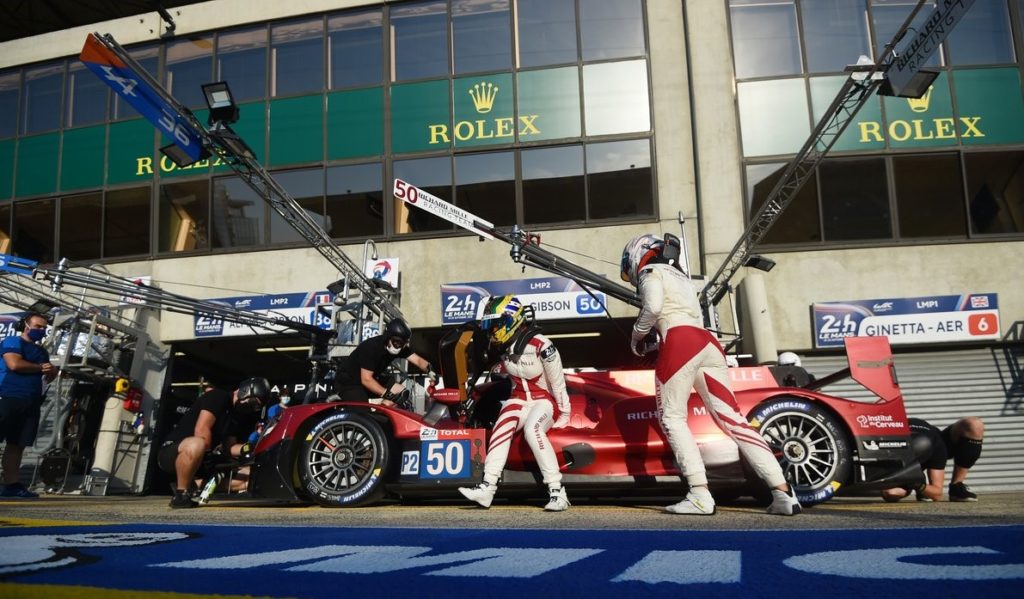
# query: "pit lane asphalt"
{"type": "Point", "coordinates": [851, 513]}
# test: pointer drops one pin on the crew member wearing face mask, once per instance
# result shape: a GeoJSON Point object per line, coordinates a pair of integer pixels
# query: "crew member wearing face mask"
{"type": "Point", "coordinates": [211, 426]}
{"type": "Point", "coordinates": [363, 374]}
{"type": "Point", "coordinates": [22, 371]}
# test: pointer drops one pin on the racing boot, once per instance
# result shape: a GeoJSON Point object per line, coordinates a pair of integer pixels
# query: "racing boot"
{"type": "Point", "coordinates": [558, 500]}
{"type": "Point", "coordinates": [698, 502]}
{"type": "Point", "coordinates": [482, 493]}
{"type": "Point", "coordinates": [784, 503]}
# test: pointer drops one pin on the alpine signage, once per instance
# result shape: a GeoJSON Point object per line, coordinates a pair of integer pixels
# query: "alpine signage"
{"type": "Point", "coordinates": [132, 87]}
{"type": "Point", "coordinates": [933, 319]}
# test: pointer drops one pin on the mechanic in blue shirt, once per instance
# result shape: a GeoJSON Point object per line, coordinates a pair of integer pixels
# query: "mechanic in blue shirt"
{"type": "Point", "coordinates": [22, 371]}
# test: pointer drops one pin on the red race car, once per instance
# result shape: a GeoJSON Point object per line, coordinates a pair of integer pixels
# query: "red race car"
{"type": "Point", "coordinates": [349, 454]}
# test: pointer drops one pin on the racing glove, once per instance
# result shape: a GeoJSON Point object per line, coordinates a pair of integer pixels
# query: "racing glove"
{"type": "Point", "coordinates": [393, 391]}
{"type": "Point", "coordinates": [245, 452]}
{"type": "Point", "coordinates": [562, 421]}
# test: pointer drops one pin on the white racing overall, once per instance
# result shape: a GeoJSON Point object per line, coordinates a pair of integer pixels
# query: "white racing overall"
{"type": "Point", "coordinates": [690, 357]}
{"type": "Point", "coordinates": [538, 398]}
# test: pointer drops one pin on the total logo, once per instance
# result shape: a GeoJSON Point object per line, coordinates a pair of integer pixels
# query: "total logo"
{"type": "Point", "coordinates": [381, 269]}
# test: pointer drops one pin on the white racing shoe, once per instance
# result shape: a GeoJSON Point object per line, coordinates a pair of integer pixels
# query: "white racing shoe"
{"type": "Point", "coordinates": [784, 503]}
{"type": "Point", "coordinates": [482, 493]}
{"type": "Point", "coordinates": [698, 502]}
{"type": "Point", "coordinates": [558, 501]}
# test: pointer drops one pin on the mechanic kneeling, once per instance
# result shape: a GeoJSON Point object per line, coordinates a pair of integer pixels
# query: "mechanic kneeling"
{"type": "Point", "coordinates": [208, 432]}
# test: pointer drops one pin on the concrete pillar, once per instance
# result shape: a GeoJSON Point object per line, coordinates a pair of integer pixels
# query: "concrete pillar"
{"type": "Point", "coordinates": [759, 333]}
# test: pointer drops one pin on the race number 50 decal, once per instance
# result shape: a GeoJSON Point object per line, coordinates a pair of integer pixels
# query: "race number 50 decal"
{"type": "Point", "coordinates": [445, 459]}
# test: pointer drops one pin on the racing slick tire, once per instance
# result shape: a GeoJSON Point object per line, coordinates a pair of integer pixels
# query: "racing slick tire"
{"type": "Point", "coordinates": [344, 460]}
{"type": "Point", "coordinates": [811, 444]}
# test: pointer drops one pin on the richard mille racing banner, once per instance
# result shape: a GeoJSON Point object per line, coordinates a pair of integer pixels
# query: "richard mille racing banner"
{"type": "Point", "coordinates": [932, 319]}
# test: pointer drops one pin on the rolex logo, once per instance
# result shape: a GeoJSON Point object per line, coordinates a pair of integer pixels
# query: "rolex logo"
{"type": "Point", "coordinates": [921, 104]}
{"type": "Point", "coordinates": [483, 95]}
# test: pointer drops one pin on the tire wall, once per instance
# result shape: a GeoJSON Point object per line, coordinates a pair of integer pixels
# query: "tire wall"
{"type": "Point", "coordinates": [942, 387]}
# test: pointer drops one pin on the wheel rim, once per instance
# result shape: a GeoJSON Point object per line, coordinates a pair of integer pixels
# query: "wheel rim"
{"type": "Point", "coordinates": [341, 457]}
{"type": "Point", "coordinates": [806, 449]}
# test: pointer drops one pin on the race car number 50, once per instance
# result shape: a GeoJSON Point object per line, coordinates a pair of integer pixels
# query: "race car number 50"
{"type": "Point", "coordinates": [438, 459]}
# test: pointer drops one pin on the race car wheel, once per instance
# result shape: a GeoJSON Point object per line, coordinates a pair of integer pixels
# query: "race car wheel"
{"type": "Point", "coordinates": [810, 444]}
{"type": "Point", "coordinates": [343, 460]}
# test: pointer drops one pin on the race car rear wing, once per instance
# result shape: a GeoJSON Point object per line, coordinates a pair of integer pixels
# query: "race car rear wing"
{"type": "Point", "coordinates": [870, 364]}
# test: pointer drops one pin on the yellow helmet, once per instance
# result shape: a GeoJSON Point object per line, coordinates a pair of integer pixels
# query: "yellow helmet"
{"type": "Point", "coordinates": [121, 386]}
{"type": "Point", "coordinates": [503, 316]}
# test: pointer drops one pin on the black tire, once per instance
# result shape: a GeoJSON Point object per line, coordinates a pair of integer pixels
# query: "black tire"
{"type": "Point", "coordinates": [811, 444]}
{"type": "Point", "coordinates": [344, 460]}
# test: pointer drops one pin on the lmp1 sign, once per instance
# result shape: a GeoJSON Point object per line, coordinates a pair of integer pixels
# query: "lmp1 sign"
{"type": "Point", "coordinates": [929, 36]}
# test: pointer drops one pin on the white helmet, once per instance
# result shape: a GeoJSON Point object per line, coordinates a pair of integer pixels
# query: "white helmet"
{"type": "Point", "coordinates": [637, 253]}
{"type": "Point", "coordinates": [788, 358]}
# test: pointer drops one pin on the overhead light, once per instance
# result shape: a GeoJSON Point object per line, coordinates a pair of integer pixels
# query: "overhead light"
{"type": "Point", "coordinates": [181, 158]}
{"type": "Point", "coordinates": [760, 263]}
{"type": "Point", "coordinates": [191, 384]}
{"type": "Point", "coordinates": [572, 335]}
{"type": "Point", "coordinates": [221, 103]}
{"type": "Point", "coordinates": [230, 140]}
{"type": "Point", "coordinates": [180, 353]}
{"type": "Point", "coordinates": [264, 350]}
{"type": "Point", "coordinates": [916, 87]}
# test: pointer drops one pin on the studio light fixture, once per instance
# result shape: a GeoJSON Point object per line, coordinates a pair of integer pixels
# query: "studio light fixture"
{"type": "Point", "coordinates": [181, 158]}
{"type": "Point", "coordinates": [760, 263]}
{"type": "Point", "coordinates": [220, 102]}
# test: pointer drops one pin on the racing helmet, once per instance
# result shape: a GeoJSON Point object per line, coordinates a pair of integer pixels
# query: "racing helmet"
{"type": "Point", "coordinates": [637, 254]}
{"type": "Point", "coordinates": [502, 318]}
{"type": "Point", "coordinates": [256, 387]}
{"type": "Point", "coordinates": [788, 358]}
{"type": "Point", "coordinates": [396, 331]}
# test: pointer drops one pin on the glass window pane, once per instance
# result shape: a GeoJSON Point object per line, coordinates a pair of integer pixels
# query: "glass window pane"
{"type": "Point", "coordinates": [855, 199]}
{"type": "Point", "coordinates": [773, 116]}
{"type": "Point", "coordinates": [798, 223]}
{"type": "Point", "coordinates": [33, 230]}
{"type": "Point", "coordinates": [432, 175]}
{"type": "Point", "coordinates": [888, 15]}
{"type": "Point", "coordinates": [184, 216]}
{"type": "Point", "coordinates": [620, 180]}
{"type": "Point", "coordinates": [126, 223]}
{"type": "Point", "coordinates": [419, 38]}
{"type": "Point", "coordinates": [995, 191]}
{"type": "Point", "coordinates": [356, 42]}
{"type": "Point", "coordinates": [616, 98]}
{"type": "Point", "coordinates": [238, 214]}
{"type": "Point", "coordinates": [297, 51]}
{"type": "Point", "coordinates": [835, 33]}
{"type": "Point", "coordinates": [10, 86]}
{"type": "Point", "coordinates": [87, 96]}
{"type": "Point", "coordinates": [81, 220]}
{"type": "Point", "coordinates": [553, 185]}
{"type": "Point", "coordinates": [5, 228]}
{"type": "Point", "coordinates": [481, 35]}
{"type": "Point", "coordinates": [546, 32]}
{"type": "Point", "coordinates": [929, 196]}
{"type": "Point", "coordinates": [43, 87]}
{"type": "Point", "coordinates": [306, 186]}
{"type": "Point", "coordinates": [149, 58]}
{"type": "Point", "coordinates": [485, 185]}
{"type": "Point", "coordinates": [555, 94]}
{"type": "Point", "coordinates": [189, 67]}
{"type": "Point", "coordinates": [764, 38]}
{"type": "Point", "coordinates": [355, 200]}
{"type": "Point", "coordinates": [982, 36]}
{"type": "Point", "coordinates": [242, 62]}
{"type": "Point", "coordinates": [611, 29]}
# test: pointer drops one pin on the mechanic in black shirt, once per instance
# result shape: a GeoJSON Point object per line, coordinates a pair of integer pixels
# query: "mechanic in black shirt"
{"type": "Point", "coordinates": [363, 374]}
{"type": "Point", "coordinates": [961, 440]}
{"type": "Point", "coordinates": [212, 425]}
